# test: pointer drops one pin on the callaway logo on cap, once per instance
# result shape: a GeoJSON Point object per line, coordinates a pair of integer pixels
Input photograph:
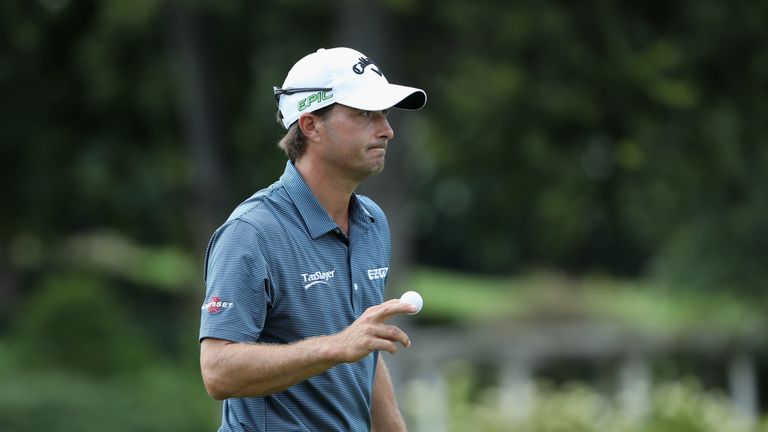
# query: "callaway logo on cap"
{"type": "Point", "coordinates": [345, 76]}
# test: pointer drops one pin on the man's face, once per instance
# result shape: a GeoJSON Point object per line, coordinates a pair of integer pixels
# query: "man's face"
{"type": "Point", "coordinates": [356, 141]}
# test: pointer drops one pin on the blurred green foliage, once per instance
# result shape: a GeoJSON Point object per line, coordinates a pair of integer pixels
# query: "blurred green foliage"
{"type": "Point", "coordinates": [84, 356]}
{"type": "Point", "coordinates": [679, 406]}
{"type": "Point", "coordinates": [77, 324]}
{"type": "Point", "coordinates": [157, 399]}
{"type": "Point", "coordinates": [599, 136]}
{"type": "Point", "coordinates": [592, 136]}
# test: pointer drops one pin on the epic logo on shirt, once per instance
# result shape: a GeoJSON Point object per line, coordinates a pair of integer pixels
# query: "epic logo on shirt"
{"type": "Point", "coordinates": [318, 277]}
{"type": "Point", "coordinates": [377, 273]}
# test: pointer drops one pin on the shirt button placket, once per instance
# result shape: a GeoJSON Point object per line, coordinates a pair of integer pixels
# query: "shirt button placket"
{"type": "Point", "coordinates": [356, 297]}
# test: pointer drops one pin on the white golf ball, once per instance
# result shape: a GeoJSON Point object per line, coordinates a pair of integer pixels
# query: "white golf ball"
{"type": "Point", "coordinates": [414, 298]}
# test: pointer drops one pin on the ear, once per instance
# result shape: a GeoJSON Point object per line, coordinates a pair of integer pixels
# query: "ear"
{"type": "Point", "coordinates": [310, 126]}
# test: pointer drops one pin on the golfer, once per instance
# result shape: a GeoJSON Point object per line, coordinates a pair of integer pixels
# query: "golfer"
{"type": "Point", "coordinates": [293, 317]}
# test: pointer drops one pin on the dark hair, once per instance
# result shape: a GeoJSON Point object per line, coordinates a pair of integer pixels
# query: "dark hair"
{"type": "Point", "coordinates": [292, 143]}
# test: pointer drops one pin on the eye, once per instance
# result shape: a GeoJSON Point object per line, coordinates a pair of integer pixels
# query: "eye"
{"type": "Point", "coordinates": [365, 113]}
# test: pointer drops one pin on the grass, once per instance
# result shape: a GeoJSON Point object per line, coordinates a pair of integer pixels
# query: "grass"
{"type": "Point", "coordinates": [463, 297]}
{"type": "Point", "coordinates": [640, 304]}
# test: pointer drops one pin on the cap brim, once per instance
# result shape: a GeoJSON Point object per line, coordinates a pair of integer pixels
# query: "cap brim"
{"type": "Point", "coordinates": [385, 97]}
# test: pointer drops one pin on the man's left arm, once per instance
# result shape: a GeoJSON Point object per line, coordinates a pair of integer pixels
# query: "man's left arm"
{"type": "Point", "coordinates": [385, 415]}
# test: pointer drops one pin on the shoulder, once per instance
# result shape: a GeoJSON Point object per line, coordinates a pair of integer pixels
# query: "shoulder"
{"type": "Point", "coordinates": [248, 222]}
{"type": "Point", "coordinates": [259, 209]}
{"type": "Point", "coordinates": [235, 237]}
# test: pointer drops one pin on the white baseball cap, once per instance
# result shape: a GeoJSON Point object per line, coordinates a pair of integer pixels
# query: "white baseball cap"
{"type": "Point", "coordinates": [344, 76]}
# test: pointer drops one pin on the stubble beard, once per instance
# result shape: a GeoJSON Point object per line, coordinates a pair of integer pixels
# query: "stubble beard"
{"type": "Point", "coordinates": [365, 166]}
{"type": "Point", "coordinates": [378, 163]}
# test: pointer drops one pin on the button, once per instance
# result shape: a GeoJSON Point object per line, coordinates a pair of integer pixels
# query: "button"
{"type": "Point", "coordinates": [355, 285]}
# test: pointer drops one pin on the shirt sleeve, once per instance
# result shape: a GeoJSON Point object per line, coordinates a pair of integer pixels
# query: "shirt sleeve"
{"type": "Point", "coordinates": [236, 284]}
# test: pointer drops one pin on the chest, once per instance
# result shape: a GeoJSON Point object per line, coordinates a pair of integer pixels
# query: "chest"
{"type": "Point", "coordinates": [322, 285]}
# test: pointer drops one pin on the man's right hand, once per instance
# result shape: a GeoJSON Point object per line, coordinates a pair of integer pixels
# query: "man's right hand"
{"type": "Point", "coordinates": [369, 332]}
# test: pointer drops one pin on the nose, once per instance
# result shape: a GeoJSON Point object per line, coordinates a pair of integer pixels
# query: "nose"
{"type": "Point", "coordinates": [385, 130]}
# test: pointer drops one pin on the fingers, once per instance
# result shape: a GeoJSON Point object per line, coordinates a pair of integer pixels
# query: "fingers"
{"type": "Point", "coordinates": [384, 345]}
{"type": "Point", "coordinates": [386, 310]}
{"type": "Point", "coordinates": [371, 336]}
{"type": "Point", "coordinates": [394, 334]}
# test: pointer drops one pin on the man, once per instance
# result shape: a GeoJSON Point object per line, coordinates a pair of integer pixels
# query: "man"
{"type": "Point", "coordinates": [293, 317]}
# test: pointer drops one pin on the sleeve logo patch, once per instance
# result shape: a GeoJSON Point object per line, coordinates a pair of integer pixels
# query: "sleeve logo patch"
{"type": "Point", "coordinates": [216, 305]}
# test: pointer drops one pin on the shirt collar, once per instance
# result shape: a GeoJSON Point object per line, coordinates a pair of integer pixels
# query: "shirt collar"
{"type": "Point", "coordinates": [315, 217]}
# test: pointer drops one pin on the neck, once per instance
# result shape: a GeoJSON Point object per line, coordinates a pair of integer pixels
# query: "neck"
{"type": "Point", "coordinates": [331, 189]}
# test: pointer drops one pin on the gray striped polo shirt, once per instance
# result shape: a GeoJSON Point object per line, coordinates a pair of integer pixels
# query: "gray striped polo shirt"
{"type": "Point", "coordinates": [279, 270]}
